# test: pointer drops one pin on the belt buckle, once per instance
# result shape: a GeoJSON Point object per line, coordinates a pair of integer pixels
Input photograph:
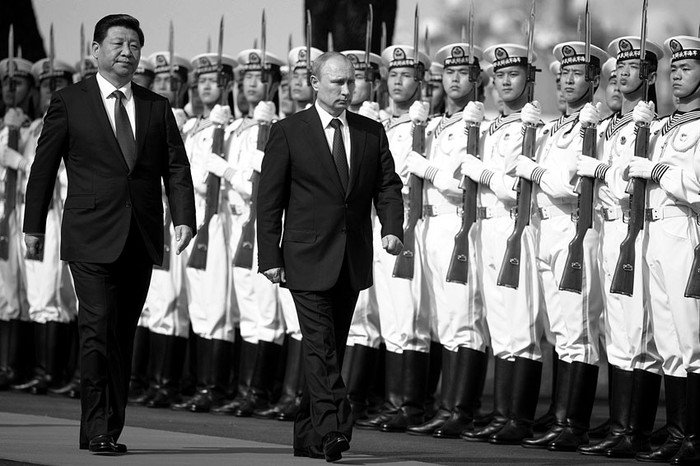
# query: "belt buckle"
{"type": "Point", "coordinates": [485, 212]}
{"type": "Point", "coordinates": [430, 210]}
{"type": "Point", "coordinates": [653, 214]}
{"type": "Point", "coordinates": [543, 212]}
{"type": "Point", "coordinates": [610, 214]}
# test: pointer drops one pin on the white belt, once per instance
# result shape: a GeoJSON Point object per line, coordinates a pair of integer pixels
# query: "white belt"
{"type": "Point", "coordinates": [549, 211]}
{"type": "Point", "coordinates": [659, 213]}
{"type": "Point", "coordinates": [236, 209]}
{"type": "Point", "coordinates": [496, 211]}
{"type": "Point", "coordinates": [433, 210]}
{"type": "Point", "coordinates": [610, 214]}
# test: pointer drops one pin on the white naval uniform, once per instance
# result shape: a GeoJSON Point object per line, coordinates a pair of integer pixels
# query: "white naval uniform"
{"type": "Point", "coordinates": [261, 316]}
{"type": "Point", "coordinates": [457, 312]}
{"type": "Point", "coordinates": [670, 237]}
{"type": "Point", "coordinates": [209, 291]}
{"type": "Point", "coordinates": [512, 315]}
{"type": "Point", "coordinates": [629, 338]}
{"type": "Point", "coordinates": [13, 287]}
{"type": "Point", "coordinates": [50, 291]}
{"type": "Point", "coordinates": [573, 318]}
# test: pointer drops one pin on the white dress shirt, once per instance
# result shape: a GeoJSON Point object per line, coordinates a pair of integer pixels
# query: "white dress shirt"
{"type": "Point", "coordinates": [330, 131]}
{"type": "Point", "coordinates": [106, 88]}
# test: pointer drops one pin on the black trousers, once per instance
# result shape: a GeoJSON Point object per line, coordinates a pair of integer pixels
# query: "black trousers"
{"type": "Point", "coordinates": [324, 318]}
{"type": "Point", "coordinates": [110, 300]}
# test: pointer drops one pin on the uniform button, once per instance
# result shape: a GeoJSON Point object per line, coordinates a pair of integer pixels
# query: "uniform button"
{"type": "Point", "coordinates": [128, 204]}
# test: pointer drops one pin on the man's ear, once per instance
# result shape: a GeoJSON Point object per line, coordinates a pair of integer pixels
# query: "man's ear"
{"type": "Point", "coordinates": [314, 82]}
{"type": "Point", "coordinates": [95, 49]}
{"type": "Point", "coordinates": [652, 78]}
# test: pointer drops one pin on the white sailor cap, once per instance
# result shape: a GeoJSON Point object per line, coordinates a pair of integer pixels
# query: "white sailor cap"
{"type": "Point", "coordinates": [19, 66]}
{"type": "Point", "coordinates": [574, 53]}
{"type": "Point", "coordinates": [609, 68]}
{"type": "Point", "coordinates": [436, 70]}
{"type": "Point", "coordinates": [87, 66]}
{"type": "Point", "coordinates": [297, 57]}
{"type": "Point", "coordinates": [628, 48]}
{"type": "Point", "coordinates": [161, 63]}
{"type": "Point", "coordinates": [209, 63]}
{"type": "Point", "coordinates": [505, 55]}
{"type": "Point", "coordinates": [284, 70]}
{"type": "Point", "coordinates": [400, 56]}
{"type": "Point", "coordinates": [555, 68]}
{"type": "Point", "coordinates": [457, 54]}
{"type": "Point", "coordinates": [683, 47]}
{"type": "Point", "coordinates": [145, 67]}
{"type": "Point", "coordinates": [251, 60]}
{"type": "Point", "coordinates": [357, 57]}
{"type": "Point", "coordinates": [41, 70]}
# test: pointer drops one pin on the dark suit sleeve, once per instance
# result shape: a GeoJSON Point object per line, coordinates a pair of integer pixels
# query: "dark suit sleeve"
{"type": "Point", "coordinates": [273, 193]}
{"type": "Point", "coordinates": [387, 196]}
{"type": "Point", "coordinates": [177, 178]}
{"type": "Point", "coordinates": [51, 147]}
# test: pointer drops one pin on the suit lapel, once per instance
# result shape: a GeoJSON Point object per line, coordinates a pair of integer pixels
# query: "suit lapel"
{"type": "Point", "coordinates": [93, 91]}
{"type": "Point", "coordinates": [143, 115]}
{"type": "Point", "coordinates": [357, 149]}
{"type": "Point", "coordinates": [318, 140]}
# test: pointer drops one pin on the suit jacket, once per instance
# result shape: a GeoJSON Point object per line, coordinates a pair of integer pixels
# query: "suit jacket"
{"type": "Point", "coordinates": [103, 195]}
{"type": "Point", "coordinates": [323, 224]}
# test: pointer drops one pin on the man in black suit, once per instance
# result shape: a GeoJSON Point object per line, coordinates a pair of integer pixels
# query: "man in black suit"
{"type": "Point", "coordinates": [118, 141]}
{"type": "Point", "coordinates": [323, 169]}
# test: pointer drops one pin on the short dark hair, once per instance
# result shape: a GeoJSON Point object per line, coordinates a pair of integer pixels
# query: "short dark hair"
{"type": "Point", "coordinates": [321, 60]}
{"type": "Point", "coordinates": [110, 21]}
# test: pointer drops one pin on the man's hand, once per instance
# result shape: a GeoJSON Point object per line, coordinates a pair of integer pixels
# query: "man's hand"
{"type": "Point", "coordinates": [643, 113]}
{"type": "Point", "coordinates": [473, 113]}
{"type": "Point", "coordinates": [640, 167]}
{"type": "Point", "coordinates": [392, 244]}
{"type": "Point", "coordinates": [264, 112]}
{"type": "Point", "coordinates": [10, 158]}
{"type": "Point", "coordinates": [183, 236]}
{"type": "Point", "coordinates": [531, 113]}
{"type": "Point", "coordinates": [35, 244]}
{"type": "Point", "coordinates": [417, 164]}
{"type": "Point", "coordinates": [472, 167]}
{"type": "Point", "coordinates": [525, 167]}
{"type": "Point", "coordinates": [15, 117]}
{"type": "Point", "coordinates": [220, 115]}
{"type": "Point", "coordinates": [590, 114]}
{"type": "Point", "coordinates": [370, 110]}
{"type": "Point", "coordinates": [418, 112]}
{"type": "Point", "coordinates": [587, 166]}
{"type": "Point", "coordinates": [276, 275]}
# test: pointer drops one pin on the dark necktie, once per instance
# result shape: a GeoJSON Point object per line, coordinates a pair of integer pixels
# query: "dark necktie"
{"type": "Point", "coordinates": [125, 136]}
{"type": "Point", "coordinates": [339, 156]}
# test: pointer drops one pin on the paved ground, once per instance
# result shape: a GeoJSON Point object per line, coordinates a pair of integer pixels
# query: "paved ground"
{"type": "Point", "coordinates": [44, 430]}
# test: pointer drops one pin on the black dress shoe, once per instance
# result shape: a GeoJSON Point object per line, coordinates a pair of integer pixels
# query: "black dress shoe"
{"type": "Point", "coordinates": [105, 445]}
{"type": "Point", "coordinates": [310, 452]}
{"type": "Point", "coordinates": [334, 443]}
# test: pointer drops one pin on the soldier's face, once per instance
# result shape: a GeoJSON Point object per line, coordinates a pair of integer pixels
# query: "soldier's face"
{"type": "Point", "coordinates": [613, 96]}
{"type": "Point", "coordinates": [301, 91]}
{"type": "Point", "coordinates": [162, 85]}
{"type": "Point", "coordinates": [22, 88]}
{"type": "Point", "coordinates": [208, 88]}
{"type": "Point", "coordinates": [573, 83]}
{"type": "Point", "coordinates": [335, 85]}
{"type": "Point", "coordinates": [510, 82]}
{"type": "Point", "coordinates": [119, 53]}
{"type": "Point", "coordinates": [402, 85]}
{"type": "Point", "coordinates": [685, 78]}
{"type": "Point", "coordinates": [628, 79]}
{"type": "Point", "coordinates": [253, 88]}
{"type": "Point", "coordinates": [285, 97]}
{"type": "Point", "coordinates": [561, 102]}
{"type": "Point", "coordinates": [363, 88]}
{"type": "Point", "coordinates": [143, 80]}
{"type": "Point", "coordinates": [455, 80]}
{"type": "Point", "coordinates": [45, 92]}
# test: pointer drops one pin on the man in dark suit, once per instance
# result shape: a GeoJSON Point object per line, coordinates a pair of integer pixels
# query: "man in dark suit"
{"type": "Point", "coordinates": [323, 169]}
{"type": "Point", "coordinates": [118, 141]}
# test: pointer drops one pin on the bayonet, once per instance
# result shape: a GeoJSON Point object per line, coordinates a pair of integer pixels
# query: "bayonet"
{"type": "Point", "coordinates": [309, 33]}
{"type": "Point", "coordinates": [329, 42]}
{"type": "Point", "coordinates": [382, 39]}
{"type": "Point", "coordinates": [209, 44]}
{"type": "Point", "coordinates": [417, 65]}
{"type": "Point", "coordinates": [368, 41]}
{"type": "Point", "coordinates": [52, 57]}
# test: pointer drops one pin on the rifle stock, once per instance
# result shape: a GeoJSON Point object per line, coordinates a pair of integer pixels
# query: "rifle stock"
{"type": "Point", "coordinates": [198, 257]}
{"type": "Point", "coordinates": [405, 262]}
{"type": "Point", "coordinates": [10, 201]}
{"type": "Point", "coordinates": [692, 289]}
{"type": "Point", "coordinates": [509, 274]}
{"type": "Point", "coordinates": [458, 270]}
{"type": "Point", "coordinates": [243, 256]}
{"type": "Point", "coordinates": [623, 278]}
{"type": "Point", "coordinates": [572, 278]}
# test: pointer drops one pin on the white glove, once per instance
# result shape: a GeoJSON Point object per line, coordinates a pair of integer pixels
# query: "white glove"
{"type": "Point", "coordinates": [587, 166]}
{"type": "Point", "coordinates": [443, 181]}
{"type": "Point", "coordinates": [473, 112]}
{"type": "Point", "coordinates": [256, 160]}
{"type": "Point", "coordinates": [418, 113]}
{"type": "Point", "coordinates": [370, 110]}
{"type": "Point", "coordinates": [220, 114]}
{"type": "Point", "coordinates": [643, 113]}
{"type": "Point", "coordinates": [417, 164]}
{"type": "Point", "coordinates": [640, 167]}
{"type": "Point", "coordinates": [472, 167]}
{"type": "Point", "coordinates": [180, 117]}
{"type": "Point", "coordinates": [264, 112]}
{"type": "Point", "coordinates": [218, 166]}
{"type": "Point", "coordinates": [590, 115]}
{"type": "Point", "coordinates": [14, 117]}
{"type": "Point", "coordinates": [10, 158]}
{"type": "Point", "coordinates": [531, 114]}
{"type": "Point", "coordinates": [524, 167]}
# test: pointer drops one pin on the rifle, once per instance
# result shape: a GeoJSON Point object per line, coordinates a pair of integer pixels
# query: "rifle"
{"type": "Point", "coordinates": [692, 288]}
{"type": "Point", "coordinates": [243, 256]}
{"type": "Point", "coordinates": [623, 278]}
{"type": "Point", "coordinates": [405, 262]}
{"type": "Point", "coordinates": [458, 270]}
{"type": "Point", "coordinates": [510, 268]}
{"type": "Point", "coordinates": [10, 201]}
{"type": "Point", "coordinates": [198, 258]}
{"type": "Point", "coordinates": [572, 278]}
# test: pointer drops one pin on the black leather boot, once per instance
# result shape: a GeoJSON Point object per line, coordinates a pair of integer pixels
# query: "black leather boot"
{"type": "Point", "coordinates": [603, 429]}
{"type": "Point", "coordinates": [620, 402]}
{"type": "Point", "coordinates": [169, 370]}
{"type": "Point", "coordinates": [289, 400]}
{"type": "Point", "coordinates": [263, 378]}
{"type": "Point", "coordinates": [527, 375]}
{"type": "Point", "coordinates": [246, 367]}
{"type": "Point", "coordinates": [5, 375]}
{"type": "Point", "coordinates": [71, 389]}
{"type": "Point", "coordinates": [415, 377]}
{"type": "Point", "coordinates": [645, 399]}
{"type": "Point", "coordinates": [448, 388]}
{"type": "Point", "coordinates": [584, 379]}
{"type": "Point", "coordinates": [141, 364]}
{"type": "Point", "coordinates": [37, 383]}
{"type": "Point", "coordinates": [56, 355]}
{"type": "Point", "coordinates": [393, 385]}
{"type": "Point", "coordinates": [358, 367]}
{"type": "Point", "coordinates": [10, 370]}
{"type": "Point", "coordinates": [560, 404]}
{"type": "Point", "coordinates": [201, 400]}
{"type": "Point", "coordinates": [689, 452]}
{"type": "Point", "coordinates": [544, 422]}
{"type": "Point", "coordinates": [676, 388]}
{"type": "Point", "coordinates": [502, 393]}
{"type": "Point", "coordinates": [470, 366]}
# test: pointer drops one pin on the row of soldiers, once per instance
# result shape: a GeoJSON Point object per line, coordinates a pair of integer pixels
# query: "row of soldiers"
{"type": "Point", "coordinates": [198, 318]}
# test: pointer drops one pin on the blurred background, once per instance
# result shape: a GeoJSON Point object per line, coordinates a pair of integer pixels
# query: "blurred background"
{"type": "Point", "coordinates": [196, 25]}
